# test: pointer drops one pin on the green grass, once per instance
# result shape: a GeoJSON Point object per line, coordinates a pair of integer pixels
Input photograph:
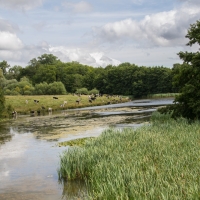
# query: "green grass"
{"type": "Point", "coordinates": [18, 102]}
{"type": "Point", "coordinates": [160, 161]}
{"type": "Point", "coordinates": [162, 95]}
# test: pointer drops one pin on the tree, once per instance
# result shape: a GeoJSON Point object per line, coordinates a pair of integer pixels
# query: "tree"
{"type": "Point", "coordinates": [14, 72]}
{"type": "Point", "coordinates": [4, 67]}
{"type": "Point", "coordinates": [187, 79]}
{"type": "Point", "coordinates": [47, 59]}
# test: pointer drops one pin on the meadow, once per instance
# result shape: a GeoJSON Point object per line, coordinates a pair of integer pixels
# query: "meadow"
{"type": "Point", "coordinates": [157, 161]}
{"type": "Point", "coordinates": [22, 106]}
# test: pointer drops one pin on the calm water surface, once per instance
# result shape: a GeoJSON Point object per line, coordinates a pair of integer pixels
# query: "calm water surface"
{"type": "Point", "coordinates": [28, 165]}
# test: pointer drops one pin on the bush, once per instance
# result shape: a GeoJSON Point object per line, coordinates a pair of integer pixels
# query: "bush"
{"type": "Point", "coordinates": [94, 91]}
{"type": "Point", "coordinates": [82, 91]}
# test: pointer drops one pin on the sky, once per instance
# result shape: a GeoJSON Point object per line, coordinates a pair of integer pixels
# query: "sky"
{"type": "Point", "coordinates": [97, 33]}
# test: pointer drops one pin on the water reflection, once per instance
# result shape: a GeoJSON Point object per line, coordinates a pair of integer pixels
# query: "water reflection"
{"type": "Point", "coordinates": [5, 135]}
{"type": "Point", "coordinates": [75, 189]}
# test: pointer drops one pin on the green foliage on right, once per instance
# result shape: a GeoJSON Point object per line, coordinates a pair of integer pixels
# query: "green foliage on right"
{"type": "Point", "coordinates": [186, 77]}
{"type": "Point", "coordinates": [158, 161]}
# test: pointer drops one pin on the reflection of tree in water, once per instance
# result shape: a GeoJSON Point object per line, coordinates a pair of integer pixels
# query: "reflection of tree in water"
{"type": "Point", "coordinates": [75, 189]}
{"type": "Point", "coordinates": [5, 135]}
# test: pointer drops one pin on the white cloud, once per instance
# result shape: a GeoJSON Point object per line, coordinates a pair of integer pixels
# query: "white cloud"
{"type": "Point", "coordinates": [160, 29]}
{"type": "Point", "coordinates": [22, 5]}
{"type": "Point", "coordinates": [9, 41]}
{"type": "Point", "coordinates": [83, 56]}
{"type": "Point", "coordinates": [80, 7]}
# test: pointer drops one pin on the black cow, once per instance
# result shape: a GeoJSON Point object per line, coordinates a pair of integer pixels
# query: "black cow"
{"type": "Point", "coordinates": [32, 113]}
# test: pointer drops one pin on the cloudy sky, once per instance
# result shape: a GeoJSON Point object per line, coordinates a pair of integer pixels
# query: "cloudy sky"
{"type": "Point", "coordinates": [96, 33]}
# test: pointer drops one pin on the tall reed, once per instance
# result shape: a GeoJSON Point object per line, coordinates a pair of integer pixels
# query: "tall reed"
{"type": "Point", "coordinates": [158, 161]}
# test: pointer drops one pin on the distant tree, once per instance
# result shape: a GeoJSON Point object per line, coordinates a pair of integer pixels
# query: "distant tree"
{"type": "Point", "coordinates": [14, 72]}
{"type": "Point", "coordinates": [56, 88]}
{"type": "Point", "coordinates": [4, 66]}
{"type": "Point", "coordinates": [47, 59]}
{"type": "Point", "coordinates": [82, 91]}
{"type": "Point", "coordinates": [23, 87]}
{"type": "Point", "coordinates": [94, 91]}
{"type": "Point", "coordinates": [41, 88]}
{"type": "Point", "coordinates": [45, 74]}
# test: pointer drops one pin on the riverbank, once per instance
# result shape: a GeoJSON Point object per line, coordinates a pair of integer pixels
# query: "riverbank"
{"type": "Point", "coordinates": [160, 161]}
{"type": "Point", "coordinates": [25, 104]}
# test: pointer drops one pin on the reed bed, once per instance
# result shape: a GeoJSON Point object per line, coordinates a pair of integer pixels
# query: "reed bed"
{"type": "Point", "coordinates": [157, 161]}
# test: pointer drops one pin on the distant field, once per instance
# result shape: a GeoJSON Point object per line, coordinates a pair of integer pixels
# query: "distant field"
{"type": "Point", "coordinates": [19, 102]}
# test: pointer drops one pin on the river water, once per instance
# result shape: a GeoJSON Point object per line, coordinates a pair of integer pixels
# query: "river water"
{"type": "Point", "coordinates": [29, 162]}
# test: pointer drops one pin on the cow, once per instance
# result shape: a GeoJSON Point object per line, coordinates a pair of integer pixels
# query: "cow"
{"type": "Point", "coordinates": [50, 111]}
{"type": "Point", "coordinates": [78, 100]}
{"type": "Point", "coordinates": [14, 114]}
{"type": "Point", "coordinates": [32, 113]}
{"type": "Point", "coordinates": [55, 97]}
{"type": "Point", "coordinates": [36, 101]}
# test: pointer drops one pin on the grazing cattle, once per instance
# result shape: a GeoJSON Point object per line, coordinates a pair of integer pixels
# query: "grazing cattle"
{"type": "Point", "coordinates": [55, 97]}
{"type": "Point", "coordinates": [32, 113]}
{"type": "Point", "coordinates": [62, 105]}
{"type": "Point", "coordinates": [14, 114]}
{"type": "Point", "coordinates": [90, 100]}
{"type": "Point", "coordinates": [93, 98]}
{"type": "Point", "coordinates": [78, 100]}
{"type": "Point", "coordinates": [65, 102]}
{"type": "Point", "coordinates": [38, 112]}
{"type": "Point", "coordinates": [36, 101]}
{"type": "Point", "coordinates": [50, 111]}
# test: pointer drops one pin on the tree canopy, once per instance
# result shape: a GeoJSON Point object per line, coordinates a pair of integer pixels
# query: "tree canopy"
{"type": "Point", "coordinates": [125, 79]}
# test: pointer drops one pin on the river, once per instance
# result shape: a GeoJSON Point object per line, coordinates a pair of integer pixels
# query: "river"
{"type": "Point", "coordinates": [29, 150]}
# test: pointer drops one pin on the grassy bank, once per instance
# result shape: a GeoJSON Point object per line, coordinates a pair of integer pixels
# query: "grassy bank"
{"type": "Point", "coordinates": [160, 161]}
{"type": "Point", "coordinates": [162, 95]}
{"type": "Point", "coordinates": [19, 102]}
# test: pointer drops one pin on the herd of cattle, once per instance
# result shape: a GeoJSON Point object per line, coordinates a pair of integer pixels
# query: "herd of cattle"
{"type": "Point", "coordinates": [91, 98]}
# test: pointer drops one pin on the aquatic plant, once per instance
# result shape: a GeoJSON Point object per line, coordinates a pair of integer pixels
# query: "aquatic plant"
{"type": "Point", "coordinates": [76, 142]}
{"type": "Point", "coordinates": [158, 161]}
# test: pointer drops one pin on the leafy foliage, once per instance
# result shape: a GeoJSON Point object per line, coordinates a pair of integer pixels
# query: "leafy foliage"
{"type": "Point", "coordinates": [187, 79]}
{"type": "Point", "coordinates": [125, 79]}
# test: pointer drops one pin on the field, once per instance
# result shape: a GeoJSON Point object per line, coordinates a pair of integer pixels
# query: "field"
{"type": "Point", "coordinates": [19, 104]}
{"type": "Point", "coordinates": [158, 161]}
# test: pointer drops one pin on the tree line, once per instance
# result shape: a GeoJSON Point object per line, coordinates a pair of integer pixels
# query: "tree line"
{"type": "Point", "coordinates": [48, 75]}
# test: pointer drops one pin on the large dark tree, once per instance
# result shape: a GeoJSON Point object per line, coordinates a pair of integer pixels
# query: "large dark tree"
{"type": "Point", "coordinates": [187, 78]}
